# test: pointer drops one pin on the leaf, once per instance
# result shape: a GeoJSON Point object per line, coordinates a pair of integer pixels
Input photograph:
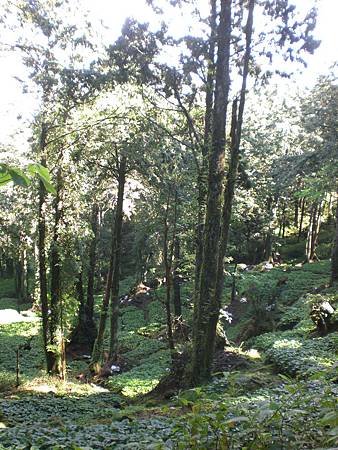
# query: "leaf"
{"type": "Point", "coordinates": [5, 178]}
{"type": "Point", "coordinates": [44, 176]}
{"type": "Point", "coordinates": [40, 170]}
{"type": "Point", "coordinates": [18, 177]}
{"type": "Point", "coordinates": [48, 186]}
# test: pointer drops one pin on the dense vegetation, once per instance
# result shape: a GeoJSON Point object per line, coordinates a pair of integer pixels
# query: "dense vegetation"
{"type": "Point", "coordinates": [168, 236]}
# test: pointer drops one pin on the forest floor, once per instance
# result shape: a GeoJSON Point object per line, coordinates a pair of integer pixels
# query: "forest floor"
{"type": "Point", "coordinates": [277, 390]}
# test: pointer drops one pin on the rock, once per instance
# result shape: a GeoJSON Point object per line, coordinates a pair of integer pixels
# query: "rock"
{"type": "Point", "coordinates": [115, 369]}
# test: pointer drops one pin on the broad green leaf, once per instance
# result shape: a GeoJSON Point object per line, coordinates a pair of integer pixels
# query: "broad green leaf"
{"type": "Point", "coordinates": [48, 186]}
{"type": "Point", "coordinates": [5, 178]}
{"type": "Point", "coordinates": [18, 177]}
{"type": "Point", "coordinates": [40, 170]}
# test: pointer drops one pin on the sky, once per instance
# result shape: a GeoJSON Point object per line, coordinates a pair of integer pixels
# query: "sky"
{"type": "Point", "coordinates": [112, 14]}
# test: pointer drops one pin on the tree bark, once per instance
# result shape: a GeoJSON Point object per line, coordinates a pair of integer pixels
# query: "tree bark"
{"type": "Point", "coordinates": [176, 279]}
{"type": "Point", "coordinates": [42, 253]}
{"type": "Point", "coordinates": [85, 332]}
{"type": "Point", "coordinates": [295, 220]}
{"type": "Point", "coordinates": [229, 193]}
{"type": "Point", "coordinates": [211, 236]}
{"type": "Point", "coordinates": [114, 312]}
{"type": "Point", "coordinates": [56, 332]}
{"type": "Point", "coordinates": [334, 257]}
{"type": "Point", "coordinates": [202, 176]}
{"type": "Point", "coordinates": [167, 262]}
{"type": "Point", "coordinates": [97, 354]}
{"type": "Point", "coordinates": [301, 219]}
{"type": "Point", "coordinates": [92, 262]}
{"type": "Point", "coordinates": [313, 232]}
{"type": "Point", "coordinates": [269, 235]}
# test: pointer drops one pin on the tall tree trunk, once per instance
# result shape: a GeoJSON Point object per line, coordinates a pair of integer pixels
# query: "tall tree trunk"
{"type": "Point", "coordinates": [284, 221]}
{"type": "Point", "coordinates": [229, 193]}
{"type": "Point", "coordinates": [295, 220]}
{"type": "Point", "coordinates": [313, 231]}
{"type": "Point", "coordinates": [92, 263]}
{"type": "Point", "coordinates": [334, 257]}
{"type": "Point", "coordinates": [56, 332]}
{"type": "Point", "coordinates": [85, 332]}
{"type": "Point", "coordinates": [167, 262]}
{"type": "Point", "coordinates": [211, 238]}
{"type": "Point", "coordinates": [176, 279]}
{"type": "Point", "coordinates": [268, 239]}
{"type": "Point", "coordinates": [20, 278]}
{"type": "Point", "coordinates": [301, 219]}
{"type": "Point", "coordinates": [202, 176]}
{"type": "Point", "coordinates": [114, 311]}
{"type": "Point", "coordinates": [97, 354]}
{"type": "Point", "coordinates": [42, 253]}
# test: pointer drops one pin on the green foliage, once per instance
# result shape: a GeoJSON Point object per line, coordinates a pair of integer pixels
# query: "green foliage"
{"type": "Point", "coordinates": [143, 377]}
{"type": "Point", "coordinates": [248, 408]}
{"type": "Point", "coordinates": [14, 335]}
{"type": "Point", "coordinates": [19, 177]}
{"type": "Point", "coordinates": [296, 414]}
{"type": "Point", "coordinates": [293, 354]}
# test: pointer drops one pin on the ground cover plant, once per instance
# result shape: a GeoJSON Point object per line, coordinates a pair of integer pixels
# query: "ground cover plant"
{"type": "Point", "coordinates": [284, 397]}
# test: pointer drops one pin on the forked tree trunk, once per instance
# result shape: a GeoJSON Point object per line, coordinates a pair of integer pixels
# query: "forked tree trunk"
{"type": "Point", "coordinates": [114, 311]}
{"type": "Point", "coordinates": [112, 284]}
{"type": "Point", "coordinates": [208, 274]}
{"type": "Point", "coordinates": [229, 192]}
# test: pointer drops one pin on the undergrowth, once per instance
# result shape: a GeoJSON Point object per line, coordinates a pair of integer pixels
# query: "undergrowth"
{"type": "Point", "coordinates": [284, 398]}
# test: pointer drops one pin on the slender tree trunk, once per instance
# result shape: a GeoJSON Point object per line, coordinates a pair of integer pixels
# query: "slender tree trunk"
{"type": "Point", "coordinates": [20, 277]}
{"type": "Point", "coordinates": [334, 257]}
{"type": "Point", "coordinates": [202, 176]}
{"type": "Point", "coordinates": [301, 219]}
{"type": "Point", "coordinates": [81, 300]}
{"type": "Point", "coordinates": [56, 332]}
{"type": "Point", "coordinates": [176, 279]}
{"type": "Point", "coordinates": [42, 254]}
{"type": "Point", "coordinates": [313, 232]}
{"type": "Point", "coordinates": [233, 286]}
{"type": "Point", "coordinates": [329, 209]}
{"type": "Point", "coordinates": [92, 262]}
{"type": "Point", "coordinates": [208, 274]}
{"type": "Point", "coordinates": [85, 332]}
{"type": "Point", "coordinates": [268, 239]}
{"type": "Point", "coordinates": [284, 221]}
{"type": "Point", "coordinates": [114, 312]}
{"type": "Point", "coordinates": [97, 353]}
{"type": "Point", "coordinates": [236, 133]}
{"type": "Point", "coordinates": [295, 221]}
{"type": "Point", "coordinates": [26, 268]}
{"type": "Point", "coordinates": [167, 259]}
